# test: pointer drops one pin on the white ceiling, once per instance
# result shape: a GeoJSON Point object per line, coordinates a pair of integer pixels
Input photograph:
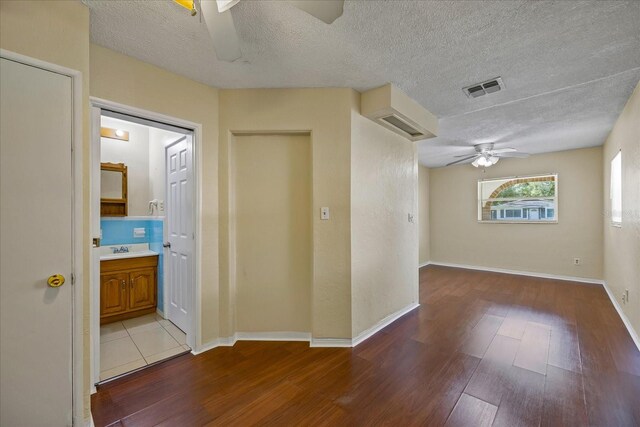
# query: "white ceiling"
{"type": "Point", "coordinates": [568, 66]}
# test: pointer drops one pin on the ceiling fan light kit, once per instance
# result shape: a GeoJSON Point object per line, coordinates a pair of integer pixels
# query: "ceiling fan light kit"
{"type": "Point", "coordinates": [486, 156]}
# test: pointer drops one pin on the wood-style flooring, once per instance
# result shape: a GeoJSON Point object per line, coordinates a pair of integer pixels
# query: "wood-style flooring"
{"type": "Point", "coordinates": [482, 349]}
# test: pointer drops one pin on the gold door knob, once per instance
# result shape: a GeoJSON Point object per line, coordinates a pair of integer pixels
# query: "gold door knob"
{"type": "Point", "coordinates": [56, 280]}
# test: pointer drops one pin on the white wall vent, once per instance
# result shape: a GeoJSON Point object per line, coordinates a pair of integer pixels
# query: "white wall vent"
{"type": "Point", "coordinates": [480, 89]}
{"type": "Point", "coordinates": [394, 110]}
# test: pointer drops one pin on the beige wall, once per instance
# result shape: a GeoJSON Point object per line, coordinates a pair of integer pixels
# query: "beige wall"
{"type": "Point", "coordinates": [384, 244]}
{"type": "Point", "coordinates": [272, 211]}
{"type": "Point", "coordinates": [622, 245]}
{"type": "Point", "coordinates": [423, 214]}
{"type": "Point", "coordinates": [457, 237]}
{"type": "Point", "coordinates": [325, 113]}
{"type": "Point", "coordinates": [58, 32]}
{"type": "Point", "coordinates": [119, 78]}
{"type": "Point", "coordinates": [135, 155]}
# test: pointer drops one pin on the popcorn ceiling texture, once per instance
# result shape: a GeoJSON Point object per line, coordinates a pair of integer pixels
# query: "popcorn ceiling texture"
{"type": "Point", "coordinates": [569, 67]}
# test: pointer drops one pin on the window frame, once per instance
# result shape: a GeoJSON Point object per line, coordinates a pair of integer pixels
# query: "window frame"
{"type": "Point", "coordinates": [521, 220]}
{"type": "Point", "coordinates": [612, 221]}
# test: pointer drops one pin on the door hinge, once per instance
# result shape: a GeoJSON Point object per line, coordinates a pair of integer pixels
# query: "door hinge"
{"type": "Point", "coordinates": [73, 279]}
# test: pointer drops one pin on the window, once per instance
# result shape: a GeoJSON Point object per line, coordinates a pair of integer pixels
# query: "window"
{"type": "Point", "coordinates": [519, 199]}
{"type": "Point", "coordinates": [616, 189]}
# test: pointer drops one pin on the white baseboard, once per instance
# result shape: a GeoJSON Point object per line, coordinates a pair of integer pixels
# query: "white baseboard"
{"type": "Point", "coordinates": [520, 273]}
{"type": "Point", "coordinates": [331, 342]}
{"type": "Point", "coordinates": [383, 323]}
{"type": "Point", "coordinates": [625, 319]}
{"type": "Point", "coordinates": [207, 346]}
{"type": "Point", "coordinates": [273, 336]}
{"type": "Point", "coordinates": [424, 264]}
{"type": "Point", "coordinates": [304, 336]}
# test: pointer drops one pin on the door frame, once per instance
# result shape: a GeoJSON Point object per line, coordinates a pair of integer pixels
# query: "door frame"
{"type": "Point", "coordinates": [77, 220]}
{"type": "Point", "coordinates": [193, 336]}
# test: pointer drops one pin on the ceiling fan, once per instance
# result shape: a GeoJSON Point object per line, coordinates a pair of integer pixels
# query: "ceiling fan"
{"type": "Point", "coordinates": [486, 156]}
{"type": "Point", "coordinates": [219, 21]}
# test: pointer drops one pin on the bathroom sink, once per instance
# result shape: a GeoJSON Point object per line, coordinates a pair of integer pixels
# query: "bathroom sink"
{"type": "Point", "coordinates": [110, 252]}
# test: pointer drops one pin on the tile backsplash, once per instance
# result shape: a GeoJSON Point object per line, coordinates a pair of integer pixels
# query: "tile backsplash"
{"type": "Point", "coordinates": [120, 231]}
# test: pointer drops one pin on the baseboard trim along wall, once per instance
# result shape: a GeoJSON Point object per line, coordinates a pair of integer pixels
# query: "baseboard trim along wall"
{"type": "Point", "coordinates": [519, 273]}
{"type": "Point", "coordinates": [305, 336]}
{"type": "Point", "coordinates": [424, 264]}
{"type": "Point", "coordinates": [383, 323]}
{"type": "Point", "coordinates": [625, 319]}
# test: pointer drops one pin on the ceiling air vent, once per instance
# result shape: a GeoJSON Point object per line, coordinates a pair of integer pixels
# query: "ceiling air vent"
{"type": "Point", "coordinates": [480, 89]}
{"type": "Point", "coordinates": [394, 110]}
{"type": "Point", "coordinates": [403, 126]}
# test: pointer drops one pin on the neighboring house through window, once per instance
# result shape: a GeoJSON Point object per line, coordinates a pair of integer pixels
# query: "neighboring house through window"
{"type": "Point", "coordinates": [518, 199]}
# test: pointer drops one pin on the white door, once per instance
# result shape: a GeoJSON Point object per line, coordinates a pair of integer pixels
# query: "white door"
{"type": "Point", "coordinates": [36, 242]}
{"type": "Point", "coordinates": [179, 231]}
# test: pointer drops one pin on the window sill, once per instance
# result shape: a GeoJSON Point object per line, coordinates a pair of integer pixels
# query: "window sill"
{"type": "Point", "coordinates": [616, 224]}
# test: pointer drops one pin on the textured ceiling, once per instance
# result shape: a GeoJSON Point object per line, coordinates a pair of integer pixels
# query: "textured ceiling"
{"type": "Point", "coordinates": [568, 66]}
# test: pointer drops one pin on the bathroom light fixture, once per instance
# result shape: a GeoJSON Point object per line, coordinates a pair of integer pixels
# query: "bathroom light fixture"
{"type": "Point", "coordinates": [111, 133]}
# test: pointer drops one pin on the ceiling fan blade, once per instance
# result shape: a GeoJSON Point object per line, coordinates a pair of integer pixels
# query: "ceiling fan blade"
{"type": "Point", "coordinates": [222, 31]}
{"type": "Point", "coordinates": [503, 150]}
{"type": "Point", "coordinates": [224, 5]}
{"type": "Point", "coordinates": [325, 10]}
{"type": "Point", "coordinates": [465, 155]}
{"type": "Point", "coordinates": [514, 154]}
{"type": "Point", "coordinates": [465, 160]}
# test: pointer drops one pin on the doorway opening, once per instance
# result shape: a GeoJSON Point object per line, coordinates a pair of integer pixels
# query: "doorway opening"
{"type": "Point", "coordinates": [143, 264]}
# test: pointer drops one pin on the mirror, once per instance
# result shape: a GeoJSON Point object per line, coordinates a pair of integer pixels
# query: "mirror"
{"type": "Point", "coordinates": [111, 184]}
{"type": "Point", "coordinates": [113, 189]}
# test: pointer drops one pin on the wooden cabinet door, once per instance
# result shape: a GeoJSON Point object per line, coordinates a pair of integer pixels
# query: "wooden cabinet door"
{"type": "Point", "coordinates": [142, 289]}
{"type": "Point", "coordinates": [113, 293]}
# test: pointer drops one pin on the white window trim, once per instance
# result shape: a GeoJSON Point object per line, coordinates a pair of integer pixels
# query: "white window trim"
{"type": "Point", "coordinates": [613, 222]}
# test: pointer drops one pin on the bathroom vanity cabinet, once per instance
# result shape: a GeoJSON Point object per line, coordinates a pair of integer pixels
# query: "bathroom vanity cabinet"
{"type": "Point", "coordinates": [128, 288]}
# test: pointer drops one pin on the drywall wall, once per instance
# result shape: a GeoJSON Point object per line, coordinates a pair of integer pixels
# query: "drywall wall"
{"type": "Point", "coordinates": [326, 114]}
{"type": "Point", "coordinates": [158, 140]}
{"type": "Point", "coordinates": [423, 214]}
{"type": "Point", "coordinates": [457, 236]}
{"type": "Point", "coordinates": [272, 188]}
{"type": "Point", "coordinates": [58, 32]}
{"type": "Point", "coordinates": [384, 244]}
{"type": "Point", "coordinates": [135, 155]}
{"type": "Point", "coordinates": [128, 81]}
{"type": "Point", "coordinates": [622, 244]}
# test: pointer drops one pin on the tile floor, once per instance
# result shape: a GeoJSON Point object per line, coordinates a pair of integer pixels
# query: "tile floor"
{"type": "Point", "coordinates": [137, 342]}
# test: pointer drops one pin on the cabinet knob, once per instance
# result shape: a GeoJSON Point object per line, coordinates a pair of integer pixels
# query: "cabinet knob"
{"type": "Point", "coordinates": [123, 284]}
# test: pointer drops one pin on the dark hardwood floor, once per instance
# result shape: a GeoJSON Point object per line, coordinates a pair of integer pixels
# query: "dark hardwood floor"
{"type": "Point", "coordinates": [483, 349]}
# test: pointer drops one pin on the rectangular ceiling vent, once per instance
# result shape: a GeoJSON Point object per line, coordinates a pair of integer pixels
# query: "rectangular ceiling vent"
{"type": "Point", "coordinates": [480, 89]}
{"type": "Point", "coordinates": [403, 126]}
{"type": "Point", "coordinates": [394, 110]}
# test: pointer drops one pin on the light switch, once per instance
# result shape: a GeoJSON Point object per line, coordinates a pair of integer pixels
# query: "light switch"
{"type": "Point", "coordinates": [324, 213]}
